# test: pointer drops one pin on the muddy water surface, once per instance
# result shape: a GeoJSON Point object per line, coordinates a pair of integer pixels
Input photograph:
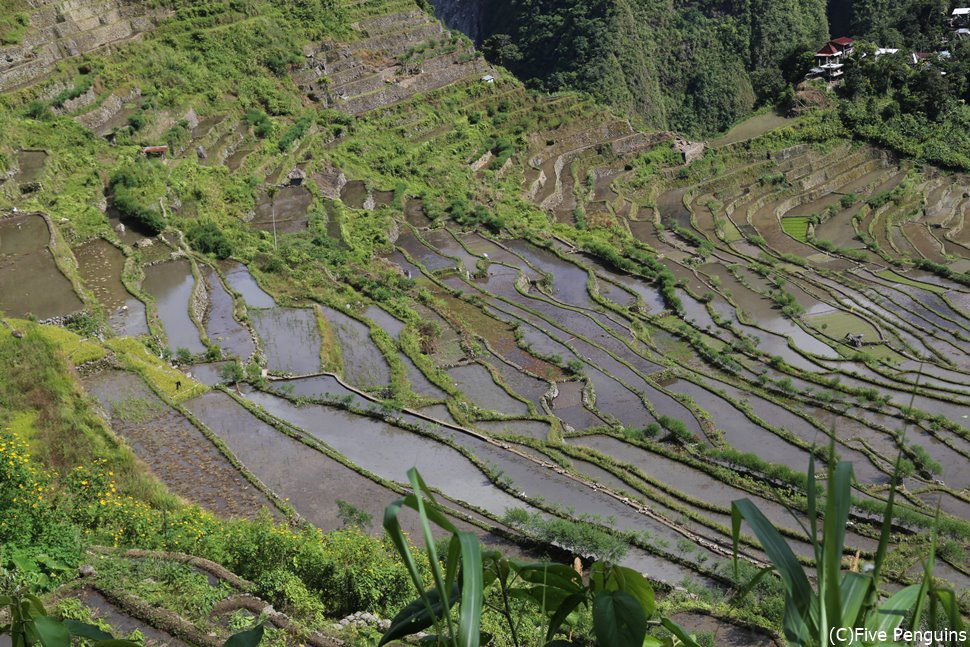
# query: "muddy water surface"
{"type": "Point", "coordinates": [30, 281]}
{"type": "Point", "coordinates": [178, 453]}
{"type": "Point", "coordinates": [31, 164]}
{"type": "Point", "coordinates": [285, 211]}
{"type": "Point", "coordinates": [477, 385]}
{"type": "Point", "coordinates": [310, 480]}
{"type": "Point", "coordinates": [221, 324]}
{"type": "Point", "coordinates": [364, 364]}
{"type": "Point", "coordinates": [240, 280]}
{"type": "Point", "coordinates": [171, 284]}
{"type": "Point", "coordinates": [354, 194]}
{"type": "Point", "coordinates": [290, 337]}
{"type": "Point", "coordinates": [389, 451]}
{"type": "Point", "coordinates": [100, 264]}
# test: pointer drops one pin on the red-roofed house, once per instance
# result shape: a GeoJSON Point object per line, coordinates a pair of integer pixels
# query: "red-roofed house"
{"type": "Point", "coordinates": [828, 61]}
{"type": "Point", "coordinates": [844, 44]}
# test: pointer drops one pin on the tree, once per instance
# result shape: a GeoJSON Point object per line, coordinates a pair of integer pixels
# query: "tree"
{"type": "Point", "coordinates": [232, 373]}
{"type": "Point", "coordinates": [500, 49]}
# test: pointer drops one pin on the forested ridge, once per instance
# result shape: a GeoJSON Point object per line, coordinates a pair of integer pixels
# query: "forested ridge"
{"type": "Point", "coordinates": [693, 67]}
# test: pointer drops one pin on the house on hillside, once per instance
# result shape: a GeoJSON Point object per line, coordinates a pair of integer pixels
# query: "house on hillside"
{"type": "Point", "coordinates": [960, 17]}
{"type": "Point", "coordinates": [829, 61]}
{"type": "Point", "coordinates": [844, 44]}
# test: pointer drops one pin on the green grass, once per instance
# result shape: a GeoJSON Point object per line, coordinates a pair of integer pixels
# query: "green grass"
{"type": "Point", "coordinates": [796, 227]}
{"type": "Point", "coordinates": [837, 324]}
{"type": "Point", "coordinates": [77, 350]}
{"type": "Point", "coordinates": [898, 278]}
{"type": "Point", "coordinates": [137, 358]}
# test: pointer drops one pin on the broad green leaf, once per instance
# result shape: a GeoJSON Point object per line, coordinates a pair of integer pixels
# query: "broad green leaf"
{"type": "Point", "coordinates": [24, 564]}
{"type": "Point", "coordinates": [34, 602]}
{"type": "Point", "coordinates": [559, 616]}
{"type": "Point", "coordinates": [678, 631]}
{"type": "Point", "coordinates": [891, 613]}
{"type": "Point", "coordinates": [472, 587]}
{"type": "Point", "coordinates": [636, 585]}
{"type": "Point", "coordinates": [115, 643]}
{"type": "Point", "coordinates": [553, 575]}
{"type": "Point", "coordinates": [778, 551]}
{"type": "Point", "coordinates": [85, 630]}
{"type": "Point", "coordinates": [51, 632]}
{"type": "Point", "coordinates": [618, 619]}
{"type": "Point", "coordinates": [249, 638]}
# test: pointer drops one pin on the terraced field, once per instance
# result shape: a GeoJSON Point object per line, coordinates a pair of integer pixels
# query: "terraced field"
{"type": "Point", "coordinates": [764, 299]}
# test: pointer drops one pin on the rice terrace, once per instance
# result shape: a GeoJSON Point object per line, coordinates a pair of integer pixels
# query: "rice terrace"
{"type": "Point", "coordinates": [259, 260]}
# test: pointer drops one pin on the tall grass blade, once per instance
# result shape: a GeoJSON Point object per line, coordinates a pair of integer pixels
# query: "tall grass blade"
{"type": "Point", "coordinates": [472, 590]}
{"type": "Point", "coordinates": [778, 551]}
{"type": "Point", "coordinates": [838, 498]}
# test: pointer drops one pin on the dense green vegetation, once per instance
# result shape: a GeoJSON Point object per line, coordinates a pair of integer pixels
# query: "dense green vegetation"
{"type": "Point", "coordinates": [695, 68]}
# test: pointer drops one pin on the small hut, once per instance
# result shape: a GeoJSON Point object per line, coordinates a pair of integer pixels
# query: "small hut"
{"type": "Point", "coordinates": [296, 177]}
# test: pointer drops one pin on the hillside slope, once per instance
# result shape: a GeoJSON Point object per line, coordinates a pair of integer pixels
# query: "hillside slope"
{"type": "Point", "coordinates": [693, 67]}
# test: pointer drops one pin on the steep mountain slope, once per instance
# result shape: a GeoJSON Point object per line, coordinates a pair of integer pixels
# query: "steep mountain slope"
{"type": "Point", "coordinates": [695, 67]}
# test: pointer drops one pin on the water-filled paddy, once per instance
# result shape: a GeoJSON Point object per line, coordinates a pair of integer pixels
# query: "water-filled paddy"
{"type": "Point", "coordinates": [290, 338]}
{"type": "Point", "coordinates": [178, 453]}
{"type": "Point", "coordinates": [171, 285]}
{"type": "Point", "coordinates": [100, 264]}
{"type": "Point", "coordinates": [30, 281]}
{"type": "Point", "coordinates": [221, 325]}
{"type": "Point", "coordinates": [363, 363]}
{"type": "Point", "coordinates": [240, 280]}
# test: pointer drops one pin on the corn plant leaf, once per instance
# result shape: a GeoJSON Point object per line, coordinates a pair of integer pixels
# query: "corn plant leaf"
{"type": "Point", "coordinates": [854, 590]}
{"type": "Point", "coordinates": [85, 630]}
{"type": "Point", "coordinates": [891, 613]}
{"type": "Point", "coordinates": [838, 498]}
{"type": "Point", "coordinates": [51, 632]}
{"type": "Point", "coordinates": [472, 591]}
{"type": "Point", "coordinates": [794, 625]}
{"type": "Point", "coordinates": [778, 551]}
{"type": "Point", "coordinates": [416, 617]}
{"type": "Point", "coordinates": [248, 638]}
{"type": "Point", "coordinates": [618, 619]}
{"type": "Point", "coordinates": [392, 526]}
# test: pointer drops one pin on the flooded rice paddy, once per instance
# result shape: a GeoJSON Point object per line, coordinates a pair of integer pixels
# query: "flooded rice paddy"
{"type": "Point", "coordinates": [171, 284]}
{"type": "Point", "coordinates": [178, 453]}
{"type": "Point", "coordinates": [100, 265]}
{"type": "Point", "coordinates": [290, 337]}
{"type": "Point", "coordinates": [30, 281]}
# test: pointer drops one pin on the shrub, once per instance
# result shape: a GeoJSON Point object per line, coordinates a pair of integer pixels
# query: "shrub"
{"type": "Point", "coordinates": [206, 237]}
